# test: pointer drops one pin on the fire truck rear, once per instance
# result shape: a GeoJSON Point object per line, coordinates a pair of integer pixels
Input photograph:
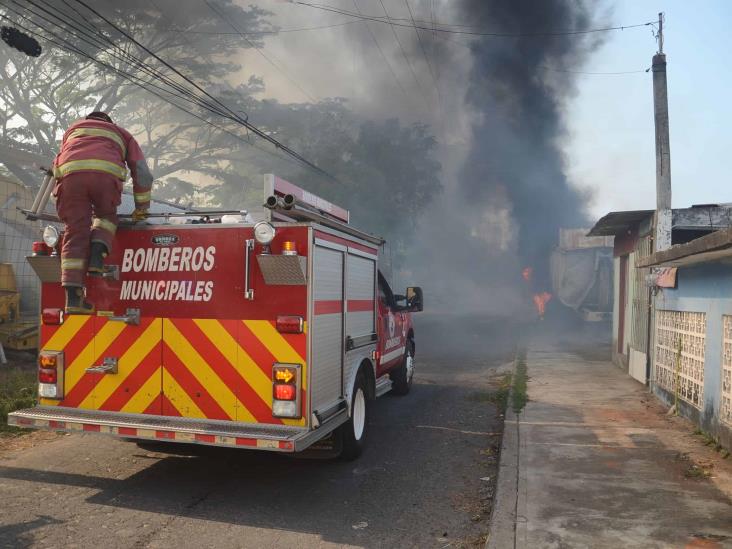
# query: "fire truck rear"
{"type": "Point", "coordinates": [269, 336]}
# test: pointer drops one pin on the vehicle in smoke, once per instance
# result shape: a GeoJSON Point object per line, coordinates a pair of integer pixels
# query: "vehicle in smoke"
{"type": "Point", "coordinates": [268, 336]}
{"type": "Point", "coordinates": [582, 273]}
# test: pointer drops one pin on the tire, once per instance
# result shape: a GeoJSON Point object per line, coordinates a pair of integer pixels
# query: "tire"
{"type": "Point", "coordinates": [353, 432]}
{"type": "Point", "coordinates": [401, 378]}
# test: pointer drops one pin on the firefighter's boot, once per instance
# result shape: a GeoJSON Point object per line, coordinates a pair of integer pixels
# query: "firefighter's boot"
{"type": "Point", "coordinates": [97, 253]}
{"type": "Point", "coordinates": [75, 303]}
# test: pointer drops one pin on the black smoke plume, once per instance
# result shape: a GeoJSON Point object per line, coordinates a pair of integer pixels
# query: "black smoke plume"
{"type": "Point", "coordinates": [518, 96]}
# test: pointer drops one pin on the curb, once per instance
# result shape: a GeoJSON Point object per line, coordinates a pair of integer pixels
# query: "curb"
{"type": "Point", "coordinates": [502, 533]}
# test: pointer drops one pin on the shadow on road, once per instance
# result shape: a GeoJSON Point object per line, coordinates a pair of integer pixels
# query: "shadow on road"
{"type": "Point", "coordinates": [425, 479]}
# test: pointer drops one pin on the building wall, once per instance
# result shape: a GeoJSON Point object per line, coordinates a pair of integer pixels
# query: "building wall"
{"type": "Point", "coordinates": [705, 288]}
{"type": "Point", "coordinates": [616, 308]}
{"type": "Point", "coordinates": [622, 301]}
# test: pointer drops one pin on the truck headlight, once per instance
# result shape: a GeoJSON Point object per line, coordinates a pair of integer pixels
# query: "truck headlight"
{"type": "Point", "coordinates": [50, 236]}
{"type": "Point", "coordinates": [264, 233]}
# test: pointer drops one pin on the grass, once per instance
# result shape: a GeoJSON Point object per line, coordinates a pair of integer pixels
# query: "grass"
{"type": "Point", "coordinates": [520, 380]}
{"type": "Point", "coordinates": [17, 390]}
{"type": "Point", "coordinates": [711, 440]}
{"type": "Point", "coordinates": [497, 397]}
{"type": "Point", "coordinates": [695, 471]}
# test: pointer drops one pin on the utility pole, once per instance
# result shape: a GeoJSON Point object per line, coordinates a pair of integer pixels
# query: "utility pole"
{"type": "Point", "coordinates": [664, 216]}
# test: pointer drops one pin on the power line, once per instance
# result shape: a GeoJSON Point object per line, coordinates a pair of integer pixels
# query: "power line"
{"type": "Point", "coordinates": [587, 72]}
{"type": "Point", "coordinates": [470, 33]}
{"type": "Point", "coordinates": [254, 129]}
{"type": "Point", "coordinates": [259, 33]}
{"type": "Point", "coordinates": [551, 69]}
{"type": "Point", "coordinates": [95, 43]}
{"type": "Point", "coordinates": [259, 50]}
{"type": "Point", "coordinates": [144, 85]}
{"type": "Point", "coordinates": [421, 45]}
{"type": "Point", "coordinates": [216, 107]}
{"type": "Point", "coordinates": [386, 61]}
{"type": "Point", "coordinates": [396, 36]}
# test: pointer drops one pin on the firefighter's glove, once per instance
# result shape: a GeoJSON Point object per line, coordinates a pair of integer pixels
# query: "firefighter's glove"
{"type": "Point", "coordinates": [139, 214]}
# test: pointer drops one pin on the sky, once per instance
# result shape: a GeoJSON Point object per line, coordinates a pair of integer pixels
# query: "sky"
{"type": "Point", "coordinates": [609, 145]}
{"type": "Point", "coordinates": [610, 149]}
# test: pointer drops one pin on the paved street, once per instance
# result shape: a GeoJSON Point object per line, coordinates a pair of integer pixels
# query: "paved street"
{"type": "Point", "coordinates": [418, 484]}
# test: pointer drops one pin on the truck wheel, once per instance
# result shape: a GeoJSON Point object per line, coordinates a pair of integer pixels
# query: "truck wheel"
{"type": "Point", "coordinates": [353, 432]}
{"type": "Point", "coordinates": [401, 378]}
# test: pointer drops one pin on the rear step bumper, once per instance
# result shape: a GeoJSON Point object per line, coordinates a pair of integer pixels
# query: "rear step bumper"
{"type": "Point", "coordinates": [174, 429]}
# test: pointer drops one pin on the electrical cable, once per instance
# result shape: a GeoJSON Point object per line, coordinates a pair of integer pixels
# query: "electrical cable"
{"type": "Point", "coordinates": [259, 33]}
{"type": "Point", "coordinates": [96, 44]}
{"type": "Point", "coordinates": [424, 52]}
{"type": "Point", "coordinates": [259, 50]}
{"type": "Point", "coordinates": [383, 55]}
{"type": "Point", "coordinates": [550, 69]}
{"type": "Point", "coordinates": [144, 85]}
{"type": "Point", "coordinates": [244, 122]}
{"type": "Point", "coordinates": [470, 33]}
{"type": "Point", "coordinates": [396, 36]}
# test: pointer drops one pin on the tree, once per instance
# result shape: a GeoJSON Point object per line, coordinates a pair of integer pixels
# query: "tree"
{"type": "Point", "coordinates": [42, 97]}
{"type": "Point", "coordinates": [387, 171]}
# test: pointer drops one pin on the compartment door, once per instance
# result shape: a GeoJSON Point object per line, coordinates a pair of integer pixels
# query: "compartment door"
{"type": "Point", "coordinates": [328, 339]}
{"type": "Point", "coordinates": [133, 386]}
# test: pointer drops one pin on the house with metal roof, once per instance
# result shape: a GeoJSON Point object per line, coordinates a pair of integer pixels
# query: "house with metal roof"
{"type": "Point", "coordinates": [633, 231]}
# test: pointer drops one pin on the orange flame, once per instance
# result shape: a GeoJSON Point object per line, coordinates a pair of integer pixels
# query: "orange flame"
{"type": "Point", "coordinates": [526, 273]}
{"type": "Point", "coordinates": [540, 301]}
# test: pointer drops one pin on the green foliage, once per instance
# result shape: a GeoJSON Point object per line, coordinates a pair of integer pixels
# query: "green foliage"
{"type": "Point", "coordinates": [389, 171]}
{"type": "Point", "coordinates": [17, 390]}
{"type": "Point", "coordinates": [41, 97]}
{"type": "Point", "coordinates": [498, 396]}
{"type": "Point", "coordinates": [520, 380]}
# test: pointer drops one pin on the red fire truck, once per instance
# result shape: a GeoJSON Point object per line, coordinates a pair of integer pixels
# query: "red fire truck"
{"type": "Point", "coordinates": [269, 336]}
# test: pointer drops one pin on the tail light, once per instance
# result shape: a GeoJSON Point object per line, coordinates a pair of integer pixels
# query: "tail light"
{"type": "Point", "coordinates": [40, 248]}
{"type": "Point", "coordinates": [51, 374]}
{"type": "Point", "coordinates": [52, 316]}
{"type": "Point", "coordinates": [286, 382]}
{"type": "Point", "coordinates": [47, 375]}
{"type": "Point", "coordinates": [290, 324]}
{"type": "Point", "coordinates": [285, 392]}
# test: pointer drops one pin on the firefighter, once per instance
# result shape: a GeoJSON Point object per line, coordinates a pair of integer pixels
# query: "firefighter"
{"type": "Point", "coordinates": [90, 171]}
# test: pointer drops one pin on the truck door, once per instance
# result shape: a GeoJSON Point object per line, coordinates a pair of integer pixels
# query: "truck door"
{"type": "Point", "coordinates": [109, 365]}
{"type": "Point", "coordinates": [327, 325]}
{"type": "Point", "coordinates": [391, 328]}
{"type": "Point", "coordinates": [134, 353]}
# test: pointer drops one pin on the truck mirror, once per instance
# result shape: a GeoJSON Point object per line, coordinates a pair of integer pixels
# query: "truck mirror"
{"type": "Point", "coordinates": [414, 299]}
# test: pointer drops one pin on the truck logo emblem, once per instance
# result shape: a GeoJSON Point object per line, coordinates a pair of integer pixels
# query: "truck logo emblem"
{"type": "Point", "coordinates": [165, 239]}
{"type": "Point", "coordinates": [392, 325]}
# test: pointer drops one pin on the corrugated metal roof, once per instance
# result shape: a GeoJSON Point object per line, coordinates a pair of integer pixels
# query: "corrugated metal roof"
{"type": "Point", "coordinates": [616, 223]}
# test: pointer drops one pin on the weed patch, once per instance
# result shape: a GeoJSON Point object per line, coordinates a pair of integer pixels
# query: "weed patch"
{"type": "Point", "coordinates": [17, 390]}
{"type": "Point", "coordinates": [498, 397]}
{"type": "Point", "coordinates": [520, 380]}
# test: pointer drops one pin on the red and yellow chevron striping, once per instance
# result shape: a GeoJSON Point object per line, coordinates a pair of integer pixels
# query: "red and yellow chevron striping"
{"type": "Point", "coordinates": [197, 368]}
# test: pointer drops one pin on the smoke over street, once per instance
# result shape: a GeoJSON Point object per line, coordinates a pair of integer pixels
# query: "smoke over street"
{"type": "Point", "coordinates": [506, 199]}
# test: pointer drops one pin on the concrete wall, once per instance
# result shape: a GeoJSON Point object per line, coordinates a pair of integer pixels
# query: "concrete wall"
{"type": "Point", "coordinates": [703, 288]}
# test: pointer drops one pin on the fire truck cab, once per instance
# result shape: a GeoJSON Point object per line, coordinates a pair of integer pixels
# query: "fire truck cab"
{"type": "Point", "coordinates": [269, 336]}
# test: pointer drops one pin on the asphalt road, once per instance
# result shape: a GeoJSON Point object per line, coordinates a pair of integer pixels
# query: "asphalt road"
{"type": "Point", "coordinates": [425, 480]}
